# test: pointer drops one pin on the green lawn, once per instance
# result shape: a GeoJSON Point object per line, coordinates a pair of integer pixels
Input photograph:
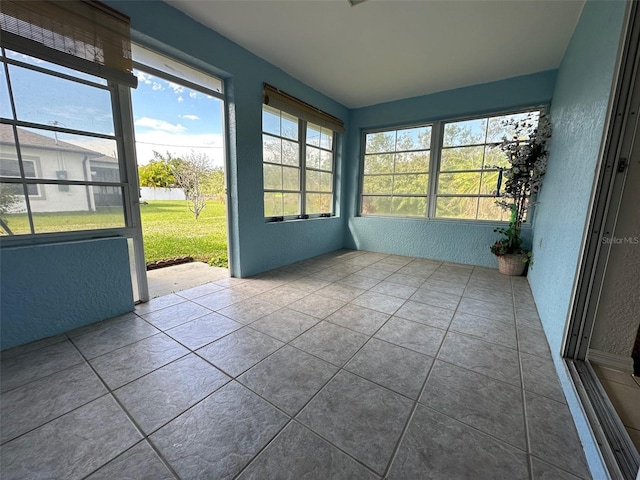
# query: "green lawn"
{"type": "Point", "coordinates": [170, 230]}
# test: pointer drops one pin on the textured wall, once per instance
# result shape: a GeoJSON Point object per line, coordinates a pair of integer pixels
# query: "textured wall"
{"type": "Point", "coordinates": [618, 314]}
{"type": "Point", "coordinates": [51, 289]}
{"type": "Point", "coordinates": [455, 241]}
{"type": "Point", "coordinates": [578, 111]}
{"type": "Point", "coordinates": [255, 245]}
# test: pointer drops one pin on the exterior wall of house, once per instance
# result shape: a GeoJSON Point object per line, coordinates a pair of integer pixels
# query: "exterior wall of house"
{"type": "Point", "coordinates": [579, 111]}
{"type": "Point", "coordinates": [256, 246]}
{"type": "Point", "coordinates": [450, 240]}
{"type": "Point", "coordinates": [53, 198]}
{"type": "Point", "coordinates": [51, 289]}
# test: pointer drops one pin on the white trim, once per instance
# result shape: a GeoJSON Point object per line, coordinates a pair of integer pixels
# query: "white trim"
{"type": "Point", "coordinates": [611, 360]}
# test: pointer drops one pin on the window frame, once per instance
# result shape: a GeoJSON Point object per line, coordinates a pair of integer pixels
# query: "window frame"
{"type": "Point", "coordinates": [302, 166]}
{"type": "Point", "coordinates": [435, 161]}
{"type": "Point", "coordinates": [117, 94]}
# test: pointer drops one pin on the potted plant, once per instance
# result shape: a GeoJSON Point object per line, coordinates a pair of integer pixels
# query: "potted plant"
{"type": "Point", "coordinates": [527, 154]}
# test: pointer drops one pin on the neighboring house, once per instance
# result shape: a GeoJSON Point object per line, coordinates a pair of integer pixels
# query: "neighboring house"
{"type": "Point", "coordinates": [48, 158]}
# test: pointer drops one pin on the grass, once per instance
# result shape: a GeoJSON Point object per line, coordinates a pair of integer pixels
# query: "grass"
{"type": "Point", "coordinates": [168, 227]}
{"type": "Point", "coordinates": [170, 230]}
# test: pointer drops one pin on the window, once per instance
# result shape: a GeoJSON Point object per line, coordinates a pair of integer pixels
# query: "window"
{"type": "Point", "coordinates": [65, 70]}
{"type": "Point", "coordinates": [396, 172]}
{"type": "Point", "coordinates": [465, 159]}
{"type": "Point", "coordinates": [298, 158]}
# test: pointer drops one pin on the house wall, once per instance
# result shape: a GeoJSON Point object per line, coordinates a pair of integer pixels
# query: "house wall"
{"type": "Point", "coordinates": [578, 111]}
{"type": "Point", "coordinates": [52, 198]}
{"type": "Point", "coordinates": [454, 241]}
{"type": "Point", "coordinates": [51, 289]}
{"type": "Point", "coordinates": [256, 246]}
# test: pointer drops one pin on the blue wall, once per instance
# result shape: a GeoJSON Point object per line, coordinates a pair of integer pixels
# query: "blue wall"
{"type": "Point", "coordinates": [454, 241]}
{"type": "Point", "coordinates": [255, 245]}
{"type": "Point", "coordinates": [578, 111]}
{"type": "Point", "coordinates": [51, 289]}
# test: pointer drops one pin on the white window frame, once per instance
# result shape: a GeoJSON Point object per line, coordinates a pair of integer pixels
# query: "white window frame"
{"type": "Point", "coordinates": [128, 176]}
{"type": "Point", "coordinates": [302, 168]}
{"type": "Point", "coordinates": [436, 147]}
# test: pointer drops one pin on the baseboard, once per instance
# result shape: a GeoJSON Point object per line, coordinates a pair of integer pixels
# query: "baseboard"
{"type": "Point", "coordinates": [611, 360]}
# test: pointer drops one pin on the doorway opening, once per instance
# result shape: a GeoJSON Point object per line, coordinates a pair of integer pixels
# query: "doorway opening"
{"type": "Point", "coordinates": [178, 119]}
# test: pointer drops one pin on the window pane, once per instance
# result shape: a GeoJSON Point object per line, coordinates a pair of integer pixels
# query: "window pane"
{"type": "Point", "coordinates": [412, 162]}
{"type": "Point", "coordinates": [413, 139]}
{"type": "Point", "coordinates": [376, 205]}
{"type": "Point", "coordinates": [313, 157]}
{"type": "Point", "coordinates": [464, 158]}
{"type": "Point", "coordinates": [497, 131]}
{"type": "Point", "coordinates": [291, 203]}
{"type": "Point", "coordinates": [49, 100]}
{"type": "Point", "coordinates": [290, 178]}
{"type": "Point", "coordinates": [410, 206]}
{"type": "Point", "coordinates": [326, 139]}
{"type": "Point", "coordinates": [468, 132]}
{"type": "Point", "coordinates": [488, 210]}
{"type": "Point", "coordinates": [289, 126]}
{"type": "Point", "coordinates": [7, 142]}
{"type": "Point", "coordinates": [467, 183]}
{"type": "Point", "coordinates": [318, 203]}
{"type": "Point", "coordinates": [489, 183]}
{"type": "Point", "coordinates": [64, 156]}
{"type": "Point", "coordinates": [272, 177]}
{"type": "Point", "coordinates": [13, 210]}
{"type": "Point", "coordinates": [313, 135]}
{"type": "Point", "coordinates": [380, 142]}
{"type": "Point", "coordinates": [326, 182]}
{"type": "Point", "coordinates": [313, 180]}
{"type": "Point", "coordinates": [271, 149]}
{"type": "Point", "coordinates": [5, 104]}
{"type": "Point", "coordinates": [457, 207]}
{"type": "Point", "coordinates": [378, 164]}
{"type": "Point", "coordinates": [326, 160]}
{"type": "Point", "coordinates": [290, 154]}
{"type": "Point", "coordinates": [272, 204]}
{"type": "Point", "coordinates": [412, 184]}
{"type": "Point", "coordinates": [495, 157]}
{"type": "Point", "coordinates": [378, 184]}
{"type": "Point", "coordinates": [270, 120]}
{"type": "Point", "coordinates": [54, 67]}
{"type": "Point", "coordinates": [77, 208]}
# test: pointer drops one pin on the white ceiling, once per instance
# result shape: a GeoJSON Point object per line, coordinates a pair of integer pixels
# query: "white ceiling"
{"type": "Point", "coordinates": [385, 50]}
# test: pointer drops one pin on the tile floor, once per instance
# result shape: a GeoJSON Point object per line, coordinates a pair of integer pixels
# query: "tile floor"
{"type": "Point", "coordinates": [623, 391]}
{"type": "Point", "coordinates": [351, 365]}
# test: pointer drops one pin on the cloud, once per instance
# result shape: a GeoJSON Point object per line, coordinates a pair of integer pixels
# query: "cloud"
{"type": "Point", "coordinates": [180, 99]}
{"type": "Point", "coordinates": [156, 124]}
{"type": "Point", "coordinates": [177, 89]}
{"type": "Point", "coordinates": [190, 117]}
{"type": "Point", "coordinates": [193, 94]}
{"type": "Point", "coordinates": [144, 77]}
{"type": "Point", "coordinates": [156, 86]}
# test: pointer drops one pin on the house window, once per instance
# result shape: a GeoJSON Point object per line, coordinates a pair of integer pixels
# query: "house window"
{"type": "Point", "coordinates": [11, 168]}
{"type": "Point", "coordinates": [298, 158]}
{"type": "Point", "coordinates": [453, 173]}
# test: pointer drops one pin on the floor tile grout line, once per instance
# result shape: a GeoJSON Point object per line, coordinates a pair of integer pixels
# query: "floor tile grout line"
{"type": "Point", "coordinates": [130, 418]}
{"type": "Point", "coordinates": [416, 403]}
{"type": "Point", "coordinates": [527, 429]}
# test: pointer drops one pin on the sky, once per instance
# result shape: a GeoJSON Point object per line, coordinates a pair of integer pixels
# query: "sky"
{"type": "Point", "coordinates": [174, 118]}
{"type": "Point", "coordinates": [167, 116]}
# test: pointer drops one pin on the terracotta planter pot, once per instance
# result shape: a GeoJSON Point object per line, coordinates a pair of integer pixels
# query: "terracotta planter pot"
{"type": "Point", "coordinates": [511, 264]}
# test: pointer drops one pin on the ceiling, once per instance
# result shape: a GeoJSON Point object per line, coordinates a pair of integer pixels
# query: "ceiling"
{"type": "Point", "coordinates": [384, 50]}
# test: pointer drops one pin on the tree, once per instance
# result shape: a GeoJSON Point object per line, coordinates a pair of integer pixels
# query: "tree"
{"type": "Point", "coordinates": [213, 185]}
{"type": "Point", "coordinates": [158, 173]}
{"type": "Point", "coordinates": [191, 175]}
{"type": "Point", "coordinates": [8, 201]}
